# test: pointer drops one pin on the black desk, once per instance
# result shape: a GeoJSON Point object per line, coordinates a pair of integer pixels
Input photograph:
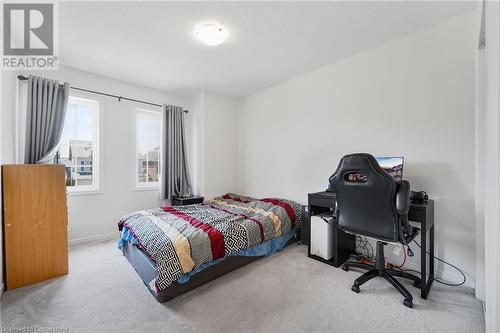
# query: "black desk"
{"type": "Point", "coordinates": [420, 214]}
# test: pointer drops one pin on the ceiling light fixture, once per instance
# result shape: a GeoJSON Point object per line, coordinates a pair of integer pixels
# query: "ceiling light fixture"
{"type": "Point", "coordinates": [211, 33]}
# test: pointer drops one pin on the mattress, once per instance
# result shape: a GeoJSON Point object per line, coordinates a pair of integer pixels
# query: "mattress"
{"type": "Point", "coordinates": [184, 240]}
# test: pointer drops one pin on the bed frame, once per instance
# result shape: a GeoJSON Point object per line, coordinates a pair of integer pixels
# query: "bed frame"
{"type": "Point", "coordinates": [145, 267]}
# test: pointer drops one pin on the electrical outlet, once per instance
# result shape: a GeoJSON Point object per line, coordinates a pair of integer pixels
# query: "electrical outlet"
{"type": "Point", "coordinates": [397, 250]}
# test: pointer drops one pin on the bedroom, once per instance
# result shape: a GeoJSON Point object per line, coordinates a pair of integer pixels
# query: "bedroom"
{"type": "Point", "coordinates": [289, 91]}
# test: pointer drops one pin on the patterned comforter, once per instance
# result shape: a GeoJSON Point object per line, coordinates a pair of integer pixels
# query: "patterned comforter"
{"type": "Point", "coordinates": [180, 239]}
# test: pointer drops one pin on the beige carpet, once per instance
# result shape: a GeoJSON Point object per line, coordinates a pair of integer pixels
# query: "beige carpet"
{"type": "Point", "coordinates": [287, 292]}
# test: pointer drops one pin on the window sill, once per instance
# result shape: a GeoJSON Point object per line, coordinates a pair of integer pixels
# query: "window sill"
{"type": "Point", "coordinates": [85, 192]}
{"type": "Point", "coordinates": [146, 188]}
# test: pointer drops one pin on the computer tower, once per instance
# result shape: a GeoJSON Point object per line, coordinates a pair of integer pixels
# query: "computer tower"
{"type": "Point", "coordinates": [322, 232]}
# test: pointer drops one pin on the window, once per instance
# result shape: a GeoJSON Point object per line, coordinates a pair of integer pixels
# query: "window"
{"type": "Point", "coordinates": [148, 148]}
{"type": "Point", "coordinates": [78, 147]}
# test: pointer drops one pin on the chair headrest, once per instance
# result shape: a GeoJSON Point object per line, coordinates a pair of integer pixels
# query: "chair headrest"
{"type": "Point", "coordinates": [356, 168]}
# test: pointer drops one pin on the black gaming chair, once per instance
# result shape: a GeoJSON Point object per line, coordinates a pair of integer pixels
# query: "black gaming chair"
{"type": "Point", "coordinates": [370, 202]}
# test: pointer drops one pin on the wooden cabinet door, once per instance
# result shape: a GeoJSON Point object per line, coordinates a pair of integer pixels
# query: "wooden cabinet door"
{"type": "Point", "coordinates": [35, 223]}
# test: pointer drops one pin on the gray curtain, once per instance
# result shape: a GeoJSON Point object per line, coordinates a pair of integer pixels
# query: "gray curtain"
{"type": "Point", "coordinates": [46, 109]}
{"type": "Point", "coordinates": [175, 171]}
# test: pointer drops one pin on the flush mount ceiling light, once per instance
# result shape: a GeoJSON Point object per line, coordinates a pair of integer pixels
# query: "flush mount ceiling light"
{"type": "Point", "coordinates": [211, 33]}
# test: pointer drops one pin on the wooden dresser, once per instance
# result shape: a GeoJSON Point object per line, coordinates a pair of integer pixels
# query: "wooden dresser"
{"type": "Point", "coordinates": [35, 223]}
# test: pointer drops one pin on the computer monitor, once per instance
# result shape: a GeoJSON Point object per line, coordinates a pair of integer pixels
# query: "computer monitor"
{"type": "Point", "coordinates": [392, 165]}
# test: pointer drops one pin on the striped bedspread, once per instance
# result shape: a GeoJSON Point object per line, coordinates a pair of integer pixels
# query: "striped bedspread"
{"type": "Point", "coordinates": [180, 239]}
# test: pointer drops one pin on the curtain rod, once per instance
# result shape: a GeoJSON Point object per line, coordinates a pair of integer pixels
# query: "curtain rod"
{"type": "Point", "coordinates": [120, 98]}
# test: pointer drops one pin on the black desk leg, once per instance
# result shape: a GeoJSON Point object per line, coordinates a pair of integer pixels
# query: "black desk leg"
{"type": "Point", "coordinates": [423, 263]}
{"type": "Point", "coordinates": [431, 261]}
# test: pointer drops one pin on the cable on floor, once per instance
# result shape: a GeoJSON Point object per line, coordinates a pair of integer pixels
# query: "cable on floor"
{"type": "Point", "coordinates": [444, 262]}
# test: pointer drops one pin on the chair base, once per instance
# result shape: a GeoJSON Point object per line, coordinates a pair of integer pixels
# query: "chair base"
{"type": "Point", "coordinates": [379, 270]}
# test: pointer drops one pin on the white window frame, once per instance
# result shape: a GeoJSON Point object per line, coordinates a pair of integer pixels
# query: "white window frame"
{"type": "Point", "coordinates": [91, 101]}
{"type": "Point", "coordinates": [146, 185]}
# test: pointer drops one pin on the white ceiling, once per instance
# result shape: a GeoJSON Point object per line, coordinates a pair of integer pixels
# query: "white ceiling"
{"type": "Point", "coordinates": [152, 44]}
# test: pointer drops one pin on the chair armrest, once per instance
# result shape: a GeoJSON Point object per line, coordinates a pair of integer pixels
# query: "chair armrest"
{"type": "Point", "coordinates": [403, 197]}
{"type": "Point", "coordinates": [402, 206]}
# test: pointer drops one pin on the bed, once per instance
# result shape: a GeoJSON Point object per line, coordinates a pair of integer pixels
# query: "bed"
{"type": "Point", "coordinates": [176, 249]}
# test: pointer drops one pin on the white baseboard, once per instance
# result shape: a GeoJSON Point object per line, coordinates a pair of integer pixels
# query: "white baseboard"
{"type": "Point", "coordinates": [94, 238]}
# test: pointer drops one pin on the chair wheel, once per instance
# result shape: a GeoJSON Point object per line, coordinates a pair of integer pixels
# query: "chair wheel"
{"type": "Point", "coordinates": [345, 268]}
{"type": "Point", "coordinates": [355, 288]}
{"type": "Point", "coordinates": [408, 302]}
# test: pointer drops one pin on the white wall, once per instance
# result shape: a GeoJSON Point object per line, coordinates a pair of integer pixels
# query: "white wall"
{"type": "Point", "coordinates": [214, 144]}
{"type": "Point", "coordinates": [492, 167]}
{"type": "Point", "coordinates": [480, 139]}
{"type": "Point", "coordinates": [198, 143]}
{"type": "Point", "coordinates": [411, 97]}
{"type": "Point", "coordinates": [97, 214]}
{"type": "Point", "coordinates": [221, 145]}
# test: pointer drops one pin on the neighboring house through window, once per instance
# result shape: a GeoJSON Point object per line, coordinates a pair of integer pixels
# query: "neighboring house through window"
{"type": "Point", "coordinates": [148, 148]}
{"type": "Point", "coordinates": [78, 148]}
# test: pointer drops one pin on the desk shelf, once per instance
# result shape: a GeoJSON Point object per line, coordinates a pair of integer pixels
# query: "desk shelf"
{"type": "Point", "coordinates": [345, 244]}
